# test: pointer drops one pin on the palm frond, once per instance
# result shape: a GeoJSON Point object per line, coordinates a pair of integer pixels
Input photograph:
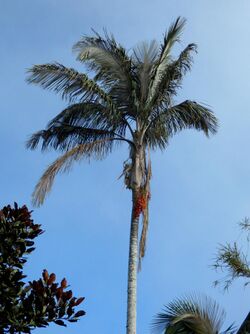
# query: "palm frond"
{"type": "Point", "coordinates": [172, 36]}
{"type": "Point", "coordinates": [70, 83]}
{"type": "Point", "coordinates": [106, 57]}
{"type": "Point", "coordinates": [78, 124]}
{"type": "Point", "coordinates": [112, 67]}
{"type": "Point", "coordinates": [161, 65]}
{"type": "Point", "coordinates": [88, 114]}
{"type": "Point", "coordinates": [97, 150]}
{"type": "Point", "coordinates": [92, 115]}
{"type": "Point", "coordinates": [186, 115]}
{"type": "Point", "coordinates": [64, 137]}
{"type": "Point", "coordinates": [144, 57]}
{"type": "Point", "coordinates": [157, 135]}
{"type": "Point", "coordinates": [191, 315]}
{"type": "Point", "coordinates": [190, 114]}
{"type": "Point", "coordinates": [172, 78]}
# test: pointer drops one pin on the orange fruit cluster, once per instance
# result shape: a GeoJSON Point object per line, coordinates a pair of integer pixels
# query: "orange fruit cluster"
{"type": "Point", "coordinates": [141, 204]}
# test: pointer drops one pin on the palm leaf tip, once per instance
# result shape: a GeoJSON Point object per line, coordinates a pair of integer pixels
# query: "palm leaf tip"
{"type": "Point", "coordinates": [176, 29]}
{"type": "Point", "coordinates": [35, 138]}
{"type": "Point", "coordinates": [191, 114]}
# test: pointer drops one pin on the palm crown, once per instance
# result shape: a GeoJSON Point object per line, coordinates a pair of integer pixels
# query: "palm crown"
{"type": "Point", "coordinates": [130, 98]}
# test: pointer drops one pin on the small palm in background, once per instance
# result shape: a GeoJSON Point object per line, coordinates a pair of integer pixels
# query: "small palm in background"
{"type": "Point", "coordinates": [191, 315]}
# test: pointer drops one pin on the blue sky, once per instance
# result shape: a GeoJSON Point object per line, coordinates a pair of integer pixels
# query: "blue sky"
{"type": "Point", "coordinates": [200, 186]}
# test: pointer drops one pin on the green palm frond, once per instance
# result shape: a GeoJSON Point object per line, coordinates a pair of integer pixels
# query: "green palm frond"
{"type": "Point", "coordinates": [80, 123]}
{"type": "Point", "coordinates": [164, 60]}
{"type": "Point", "coordinates": [172, 79]}
{"type": "Point", "coordinates": [113, 69]}
{"type": "Point", "coordinates": [88, 114]}
{"type": "Point", "coordinates": [107, 58]}
{"type": "Point", "coordinates": [191, 315]}
{"type": "Point", "coordinates": [144, 57]}
{"type": "Point", "coordinates": [64, 137]}
{"type": "Point", "coordinates": [172, 36]}
{"type": "Point", "coordinates": [186, 115]}
{"type": "Point", "coordinates": [92, 115]}
{"type": "Point", "coordinates": [70, 83]}
{"type": "Point", "coordinates": [96, 150]}
{"type": "Point", "coordinates": [190, 114]}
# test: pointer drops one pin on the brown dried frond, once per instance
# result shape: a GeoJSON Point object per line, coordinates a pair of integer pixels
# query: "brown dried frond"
{"type": "Point", "coordinates": [96, 150]}
{"type": "Point", "coordinates": [145, 221]}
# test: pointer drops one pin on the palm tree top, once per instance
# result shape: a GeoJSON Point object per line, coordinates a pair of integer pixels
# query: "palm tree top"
{"type": "Point", "coordinates": [124, 96]}
{"type": "Point", "coordinates": [127, 88]}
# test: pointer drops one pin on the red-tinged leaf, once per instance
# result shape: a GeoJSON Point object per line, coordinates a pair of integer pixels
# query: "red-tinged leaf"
{"type": "Point", "coordinates": [64, 283]}
{"type": "Point", "coordinates": [79, 301]}
{"type": "Point", "coordinates": [79, 314]}
{"type": "Point", "coordinates": [51, 279]}
{"type": "Point", "coordinates": [60, 323]}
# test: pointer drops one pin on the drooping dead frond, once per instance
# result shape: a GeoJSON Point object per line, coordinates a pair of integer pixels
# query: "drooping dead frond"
{"type": "Point", "coordinates": [64, 163]}
{"type": "Point", "coordinates": [191, 315]}
{"type": "Point", "coordinates": [145, 213]}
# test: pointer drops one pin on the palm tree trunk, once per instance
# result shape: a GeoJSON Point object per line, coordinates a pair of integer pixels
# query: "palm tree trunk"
{"type": "Point", "coordinates": [136, 179]}
{"type": "Point", "coordinates": [132, 270]}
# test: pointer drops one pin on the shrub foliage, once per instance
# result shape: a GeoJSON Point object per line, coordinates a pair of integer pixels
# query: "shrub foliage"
{"type": "Point", "coordinates": [26, 306]}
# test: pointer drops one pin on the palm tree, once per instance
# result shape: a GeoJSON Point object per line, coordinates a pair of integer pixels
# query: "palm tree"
{"type": "Point", "coordinates": [128, 99]}
{"type": "Point", "coordinates": [191, 315]}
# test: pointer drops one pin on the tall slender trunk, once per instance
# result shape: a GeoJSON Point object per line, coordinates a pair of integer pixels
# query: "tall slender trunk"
{"type": "Point", "coordinates": [132, 271]}
{"type": "Point", "coordinates": [133, 246]}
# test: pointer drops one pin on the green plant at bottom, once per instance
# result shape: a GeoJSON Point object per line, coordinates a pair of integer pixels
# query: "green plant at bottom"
{"type": "Point", "coordinates": [26, 306]}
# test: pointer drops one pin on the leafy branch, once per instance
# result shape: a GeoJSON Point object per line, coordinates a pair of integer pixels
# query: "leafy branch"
{"type": "Point", "coordinates": [231, 259]}
{"type": "Point", "coordinates": [26, 306]}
